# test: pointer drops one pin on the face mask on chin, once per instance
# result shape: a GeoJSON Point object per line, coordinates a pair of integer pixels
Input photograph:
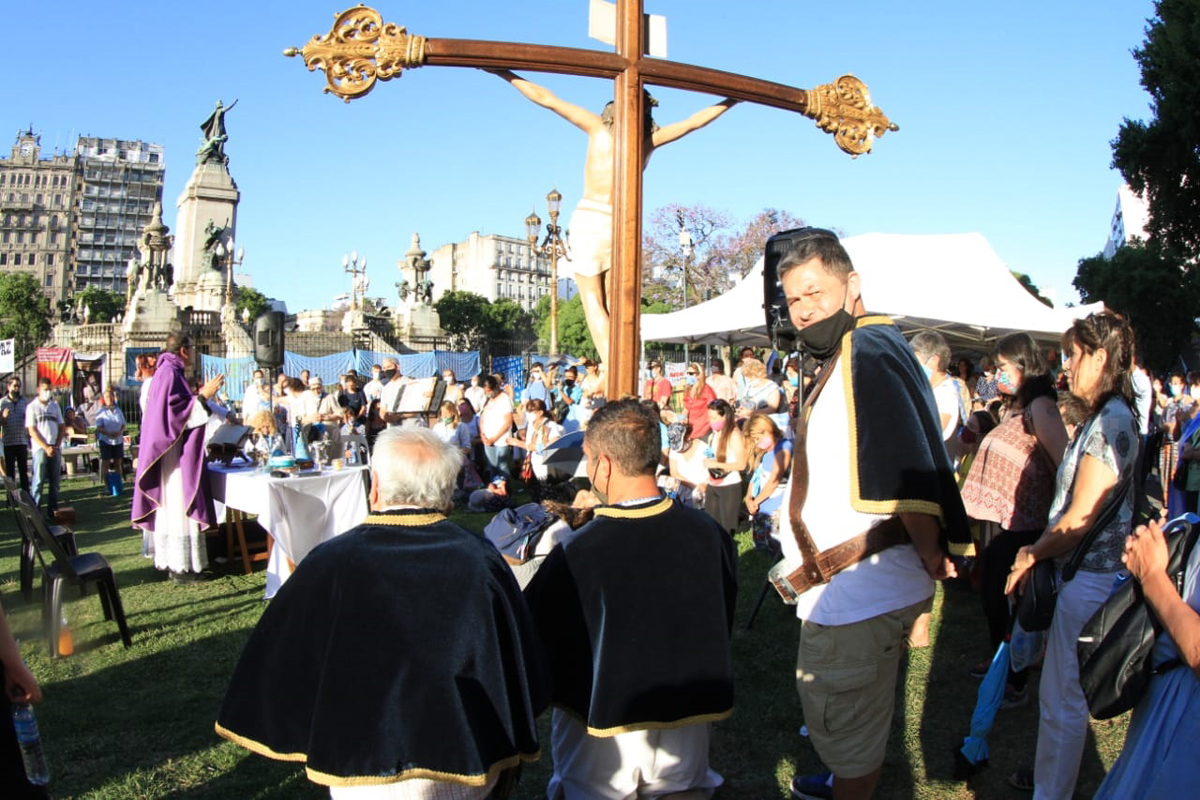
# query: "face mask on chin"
{"type": "Point", "coordinates": [822, 339]}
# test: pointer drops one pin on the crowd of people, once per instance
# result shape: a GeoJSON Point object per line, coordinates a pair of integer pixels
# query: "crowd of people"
{"type": "Point", "coordinates": [867, 472]}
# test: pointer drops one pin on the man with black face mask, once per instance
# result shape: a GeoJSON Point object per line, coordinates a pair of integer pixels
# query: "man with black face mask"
{"type": "Point", "coordinates": [872, 494]}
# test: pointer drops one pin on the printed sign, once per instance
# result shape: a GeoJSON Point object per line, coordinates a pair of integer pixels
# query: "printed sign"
{"type": "Point", "coordinates": [6, 355]}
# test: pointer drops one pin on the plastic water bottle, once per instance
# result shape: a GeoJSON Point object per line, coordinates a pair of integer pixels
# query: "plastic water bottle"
{"type": "Point", "coordinates": [66, 641]}
{"type": "Point", "coordinates": [25, 724]}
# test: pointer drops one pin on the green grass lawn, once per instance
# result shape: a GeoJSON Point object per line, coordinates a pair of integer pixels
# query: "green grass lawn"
{"type": "Point", "coordinates": [139, 722]}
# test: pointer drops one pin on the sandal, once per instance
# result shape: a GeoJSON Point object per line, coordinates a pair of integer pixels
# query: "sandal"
{"type": "Point", "coordinates": [1021, 780]}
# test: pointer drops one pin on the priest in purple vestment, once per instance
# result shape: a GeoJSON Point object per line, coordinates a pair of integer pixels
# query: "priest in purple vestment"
{"type": "Point", "coordinates": [171, 501]}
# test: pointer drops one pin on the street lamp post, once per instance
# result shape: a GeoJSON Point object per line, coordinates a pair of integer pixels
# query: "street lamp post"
{"type": "Point", "coordinates": [354, 266]}
{"type": "Point", "coordinates": [554, 245]}
{"type": "Point", "coordinates": [685, 247]}
{"type": "Point", "coordinates": [234, 257]}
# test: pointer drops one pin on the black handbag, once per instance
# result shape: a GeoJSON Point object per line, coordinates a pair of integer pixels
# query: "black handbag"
{"type": "Point", "coordinates": [1116, 646]}
{"type": "Point", "coordinates": [1035, 606]}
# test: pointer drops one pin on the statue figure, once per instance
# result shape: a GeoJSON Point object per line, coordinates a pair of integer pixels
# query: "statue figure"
{"type": "Point", "coordinates": [591, 223]}
{"type": "Point", "coordinates": [212, 237]}
{"type": "Point", "coordinates": [215, 136]}
{"type": "Point", "coordinates": [404, 288]}
{"type": "Point", "coordinates": [427, 292]}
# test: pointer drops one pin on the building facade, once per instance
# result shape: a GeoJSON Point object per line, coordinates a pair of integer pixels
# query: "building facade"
{"type": "Point", "coordinates": [37, 200]}
{"type": "Point", "coordinates": [496, 267]}
{"type": "Point", "coordinates": [120, 181]}
{"type": "Point", "coordinates": [73, 220]}
{"type": "Point", "coordinates": [1128, 221]}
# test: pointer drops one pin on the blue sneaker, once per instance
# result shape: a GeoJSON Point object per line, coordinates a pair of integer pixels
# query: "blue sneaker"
{"type": "Point", "coordinates": [813, 787]}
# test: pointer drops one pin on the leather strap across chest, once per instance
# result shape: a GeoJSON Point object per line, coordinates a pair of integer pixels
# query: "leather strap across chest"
{"type": "Point", "coordinates": [820, 566]}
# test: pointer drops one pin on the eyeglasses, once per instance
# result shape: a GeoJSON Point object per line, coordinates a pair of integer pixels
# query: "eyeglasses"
{"type": "Point", "coordinates": [692, 372]}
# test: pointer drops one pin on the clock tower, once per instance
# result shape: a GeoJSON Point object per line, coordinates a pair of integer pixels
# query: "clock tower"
{"type": "Point", "coordinates": [27, 148]}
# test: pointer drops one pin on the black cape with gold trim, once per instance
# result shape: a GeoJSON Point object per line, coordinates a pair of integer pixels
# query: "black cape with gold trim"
{"type": "Point", "coordinates": [636, 612]}
{"type": "Point", "coordinates": [887, 384]}
{"type": "Point", "coordinates": [401, 649]}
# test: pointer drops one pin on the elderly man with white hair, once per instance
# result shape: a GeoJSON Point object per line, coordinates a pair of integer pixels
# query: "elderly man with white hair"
{"type": "Point", "coordinates": [400, 659]}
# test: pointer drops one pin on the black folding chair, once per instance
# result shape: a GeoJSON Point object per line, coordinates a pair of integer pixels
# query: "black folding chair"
{"type": "Point", "coordinates": [69, 570]}
{"type": "Point", "coordinates": [64, 535]}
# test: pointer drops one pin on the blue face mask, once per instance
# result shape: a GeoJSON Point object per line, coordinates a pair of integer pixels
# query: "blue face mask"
{"type": "Point", "coordinates": [1005, 383]}
{"type": "Point", "coordinates": [928, 371]}
{"type": "Point", "coordinates": [794, 380]}
{"type": "Point", "coordinates": [1173, 390]}
{"type": "Point", "coordinates": [691, 380]}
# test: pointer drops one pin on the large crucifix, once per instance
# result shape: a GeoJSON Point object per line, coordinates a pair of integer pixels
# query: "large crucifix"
{"type": "Point", "coordinates": [362, 49]}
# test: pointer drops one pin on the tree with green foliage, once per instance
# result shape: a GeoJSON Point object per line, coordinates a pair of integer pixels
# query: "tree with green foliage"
{"type": "Point", "coordinates": [1160, 159]}
{"type": "Point", "coordinates": [573, 334]}
{"type": "Point", "coordinates": [1150, 289]}
{"type": "Point", "coordinates": [463, 316]}
{"type": "Point", "coordinates": [102, 305]}
{"type": "Point", "coordinates": [720, 254]}
{"type": "Point", "coordinates": [506, 319]}
{"type": "Point", "coordinates": [1031, 287]}
{"type": "Point", "coordinates": [24, 313]}
{"type": "Point", "coordinates": [252, 300]}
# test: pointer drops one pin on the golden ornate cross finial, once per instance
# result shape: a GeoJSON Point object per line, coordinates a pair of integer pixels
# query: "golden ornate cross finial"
{"type": "Point", "coordinates": [360, 49]}
{"type": "Point", "coordinates": [844, 109]}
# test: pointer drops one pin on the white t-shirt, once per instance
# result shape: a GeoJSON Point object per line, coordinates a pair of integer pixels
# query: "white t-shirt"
{"type": "Point", "coordinates": [887, 581]}
{"type": "Point", "coordinates": [459, 435]}
{"type": "Point", "coordinates": [493, 418]}
{"type": "Point", "coordinates": [387, 398]}
{"type": "Point", "coordinates": [946, 396]}
{"type": "Point", "coordinates": [1143, 395]}
{"type": "Point", "coordinates": [46, 418]}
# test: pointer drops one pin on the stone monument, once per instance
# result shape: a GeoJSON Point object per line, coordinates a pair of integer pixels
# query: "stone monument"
{"type": "Point", "coordinates": [415, 314]}
{"type": "Point", "coordinates": [207, 217]}
{"type": "Point", "coordinates": [148, 306]}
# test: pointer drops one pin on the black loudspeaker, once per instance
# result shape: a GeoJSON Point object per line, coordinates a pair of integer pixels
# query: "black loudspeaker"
{"type": "Point", "coordinates": [779, 324]}
{"type": "Point", "coordinates": [268, 339]}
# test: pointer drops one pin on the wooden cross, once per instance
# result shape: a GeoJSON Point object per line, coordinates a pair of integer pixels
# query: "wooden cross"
{"type": "Point", "coordinates": [361, 49]}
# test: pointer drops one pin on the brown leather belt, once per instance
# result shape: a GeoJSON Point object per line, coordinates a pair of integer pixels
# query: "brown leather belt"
{"type": "Point", "coordinates": [818, 568]}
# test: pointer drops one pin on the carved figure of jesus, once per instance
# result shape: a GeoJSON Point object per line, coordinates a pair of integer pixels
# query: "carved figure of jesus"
{"type": "Point", "coordinates": [591, 224]}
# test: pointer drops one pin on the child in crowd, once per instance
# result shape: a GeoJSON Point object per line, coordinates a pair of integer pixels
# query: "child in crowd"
{"type": "Point", "coordinates": [769, 465]}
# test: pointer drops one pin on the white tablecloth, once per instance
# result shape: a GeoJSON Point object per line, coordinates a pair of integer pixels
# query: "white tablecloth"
{"type": "Point", "coordinates": [299, 512]}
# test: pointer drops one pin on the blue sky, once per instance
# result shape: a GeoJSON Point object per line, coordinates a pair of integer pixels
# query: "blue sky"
{"type": "Point", "coordinates": [1006, 111]}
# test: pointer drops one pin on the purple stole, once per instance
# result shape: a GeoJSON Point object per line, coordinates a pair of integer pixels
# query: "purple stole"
{"type": "Point", "coordinates": [168, 406]}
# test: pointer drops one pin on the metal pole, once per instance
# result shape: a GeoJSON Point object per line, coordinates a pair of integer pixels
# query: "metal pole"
{"type": "Point", "coordinates": [554, 284]}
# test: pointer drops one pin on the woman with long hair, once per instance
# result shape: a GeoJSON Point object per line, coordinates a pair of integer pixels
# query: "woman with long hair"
{"type": "Point", "coordinates": [1097, 467]}
{"type": "Point", "coordinates": [540, 430]}
{"type": "Point", "coordinates": [768, 466]}
{"type": "Point", "coordinates": [1010, 485]}
{"type": "Point", "coordinates": [696, 399]}
{"type": "Point", "coordinates": [725, 460]}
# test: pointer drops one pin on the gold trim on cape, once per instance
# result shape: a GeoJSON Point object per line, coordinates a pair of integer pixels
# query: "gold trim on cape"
{"type": "Point", "coordinates": [884, 507]}
{"type": "Point", "coordinates": [620, 512]}
{"type": "Point", "coordinates": [325, 779]}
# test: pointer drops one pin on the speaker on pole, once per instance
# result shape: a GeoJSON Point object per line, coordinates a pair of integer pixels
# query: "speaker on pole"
{"type": "Point", "coordinates": [779, 322]}
{"type": "Point", "coordinates": [268, 339]}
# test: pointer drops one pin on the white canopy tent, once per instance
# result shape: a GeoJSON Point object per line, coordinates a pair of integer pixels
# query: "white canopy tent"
{"type": "Point", "coordinates": [955, 284]}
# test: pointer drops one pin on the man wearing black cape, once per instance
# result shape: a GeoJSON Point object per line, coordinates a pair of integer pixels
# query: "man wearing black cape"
{"type": "Point", "coordinates": [399, 660]}
{"type": "Point", "coordinates": [635, 611]}
{"type": "Point", "coordinates": [870, 515]}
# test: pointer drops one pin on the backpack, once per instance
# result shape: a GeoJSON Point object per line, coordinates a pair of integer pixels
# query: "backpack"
{"type": "Point", "coordinates": [1116, 646]}
{"type": "Point", "coordinates": [515, 531]}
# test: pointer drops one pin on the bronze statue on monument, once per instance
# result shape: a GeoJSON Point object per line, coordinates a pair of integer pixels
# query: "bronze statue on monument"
{"type": "Point", "coordinates": [215, 136]}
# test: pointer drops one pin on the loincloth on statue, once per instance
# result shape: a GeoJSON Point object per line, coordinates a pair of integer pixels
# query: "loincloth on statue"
{"type": "Point", "coordinates": [591, 237]}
